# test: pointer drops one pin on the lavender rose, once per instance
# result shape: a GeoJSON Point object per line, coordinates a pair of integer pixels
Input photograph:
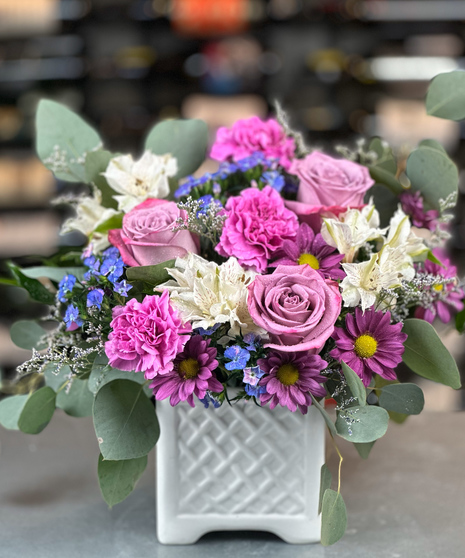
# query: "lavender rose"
{"type": "Point", "coordinates": [325, 181]}
{"type": "Point", "coordinates": [296, 306]}
{"type": "Point", "coordinates": [147, 236]}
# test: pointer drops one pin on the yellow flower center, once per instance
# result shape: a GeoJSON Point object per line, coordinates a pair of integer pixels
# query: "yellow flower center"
{"type": "Point", "coordinates": [189, 368]}
{"type": "Point", "coordinates": [287, 374]}
{"type": "Point", "coordinates": [438, 288]}
{"type": "Point", "coordinates": [365, 346]}
{"type": "Point", "coordinates": [310, 260]}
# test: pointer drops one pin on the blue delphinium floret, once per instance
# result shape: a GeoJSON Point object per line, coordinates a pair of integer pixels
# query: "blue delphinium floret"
{"type": "Point", "coordinates": [121, 287]}
{"type": "Point", "coordinates": [254, 391]}
{"type": "Point", "coordinates": [71, 318]}
{"type": "Point", "coordinates": [238, 357]}
{"type": "Point", "coordinates": [253, 341]}
{"type": "Point", "coordinates": [95, 298]}
{"type": "Point", "coordinates": [65, 286]}
{"type": "Point", "coordinates": [274, 179]}
{"type": "Point", "coordinates": [112, 267]}
{"type": "Point", "coordinates": [210, 399]}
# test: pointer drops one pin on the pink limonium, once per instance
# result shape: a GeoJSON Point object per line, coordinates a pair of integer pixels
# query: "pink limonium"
{"type": "Point", "coordinates": [412, 205]}
{"type": "Point", "coordinates": [146, 336]}
{"type": "Point", "coordinates": [290, 378]}
{"type": "Point", "coordinates": [446, 297]}
{"type": "Point", "coordinates": [370, 344]}
{"type": "Point", "coordinates": [252, 135]}
{"type": "Point", "coordinates": [256, 227]}
{"type": "Point", "coordinates": [193, 374]}
{"type": "Point", "coordinates": [310, 248]}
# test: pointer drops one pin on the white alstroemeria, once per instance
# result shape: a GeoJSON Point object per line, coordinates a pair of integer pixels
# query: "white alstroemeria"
{"type": "Point", "coordinates": [352, 230]}
{"type": "Point", "coordinates": [140, 180]}
{"type": "Point", "coordinates": [400, 235]}
{"type": "Point", "coordinates": [206, 294]}
{"type": "Point", "coordinates": [90, 214]}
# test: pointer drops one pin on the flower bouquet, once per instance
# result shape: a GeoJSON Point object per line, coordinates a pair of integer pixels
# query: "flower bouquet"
{"type": "Point", "coordinates": [285, 278]}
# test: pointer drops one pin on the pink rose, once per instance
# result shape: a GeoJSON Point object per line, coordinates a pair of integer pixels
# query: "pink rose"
{"type": "Point", "coordinates": [257, 225]}
{"type": "Point", "coordinates": [147, 236]}
{"type": "Point", "coordinates": [296, 306]}
{"type": "Point", "coordinates": [251, 135]}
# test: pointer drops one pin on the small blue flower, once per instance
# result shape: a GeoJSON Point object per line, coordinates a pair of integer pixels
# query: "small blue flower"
{"type": "Point", "coordinates": [208, 331]}
{"type": "Point", "coordinates": [93, 264]}
{"type": "Point", "coordinates": [209, 398]}
{"type": "Point", "coordinates": [252, 375]}
{"type": "Point", "coordinates": [206, 201]}
{"type": "Point", "coordinates": [253, 341]}
{"type": "Point", "coordinates": [113, 268]}
{"type": "Point", "coordinates": [254, 391]}
{"type": "Point", "coordinates": [227, 168]}
{"type": "Point", "coordinates": [111, 252]}
{"type": "Point", "coordinates": [94, 298]}
{"type": "Point", "coordinates": [66, 285]}
{"type": "Point", "coordinates": [238, 356]}
{"type": "Point", "coordinates": [216, 188]}
{"type": "Point", "coordinates": [121, 287]}
{"type": "Point", "coordinates": [71, 318]}
{"type": "Point", "coordinates": [274, 179]}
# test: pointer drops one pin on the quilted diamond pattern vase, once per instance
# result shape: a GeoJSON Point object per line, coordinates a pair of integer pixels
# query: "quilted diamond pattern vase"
{"type": "Point", "coordinates": [238, 467]}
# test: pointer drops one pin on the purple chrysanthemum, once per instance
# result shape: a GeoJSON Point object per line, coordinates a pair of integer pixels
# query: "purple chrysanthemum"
{"type": "Point", "coordinates": [370, 344]}
{"type": "Point", "coordinates": [412, 204]}
{"type": "Point", "coordinates": [192, 374]}
{"type": "Point", "coordinates": [290, 378]}
{"type": "Point", "coordinates": [310, 248]}
{"type": "Point", "coordinates": [447, 297]}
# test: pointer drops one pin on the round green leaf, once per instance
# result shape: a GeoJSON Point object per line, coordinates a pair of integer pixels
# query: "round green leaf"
{"type": "Point", "coordinates": [427, 356]}
{"type": "Point", "coordinates": [384, 169]}
{"type": "Point", "coordinates": [407, 399]}
{"type": "Point", "coordinates": [446, 96]}
{"type": "Point", "coordinates": [56, 378]}
{"type": "Point", "coordinates": [152, 274]}
{"type": "Point", "coordinates": [117, 479]}
{"type": "Point", "coordinates": [54, 273]}
{"type": "Point", "coordinates": [185, 139]}
{"type": "Point", "coordinates": [324, 414]}
{"type": "Point", "coordinates": [333, 517]}
{"type": "Point", "coordinates": [362, 424]}
{"type": "Point", "coordinates": [124, 421]}
{"type": "Point", "coordinates": [78, 401]}
{"type": "Point", "coordinates": [355, 384]}
{"type": "Point", "coordinates": [10, 409]}
{"type": "Point", "coordinates": [102, 374]}
{"type": "Point", "coordinates": [27, 334]}
{"type": "Point", "coordinates": [38, 411]}
{"type": "Point", "coordinates": [364, 449]}
{"type": "Point", "coordinates": [325, 483]}
{"type": "Point", "coordinates": [97, 163]}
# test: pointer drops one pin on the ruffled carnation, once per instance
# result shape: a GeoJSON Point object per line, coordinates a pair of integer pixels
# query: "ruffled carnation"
{"type": "Point", "coordinates": [252, 135]}
{"type": "Point", "coordinates": [257, 225]}
{"type": "Point", "coordinates": [146, 336]}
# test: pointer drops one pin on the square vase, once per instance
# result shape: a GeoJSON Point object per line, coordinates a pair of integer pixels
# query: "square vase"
{"type": "Point", "coordinates": [236, 468]}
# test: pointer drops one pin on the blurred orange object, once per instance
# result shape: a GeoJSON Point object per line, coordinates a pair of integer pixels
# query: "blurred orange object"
{"type": "Point", "coordinates": [209, 17]}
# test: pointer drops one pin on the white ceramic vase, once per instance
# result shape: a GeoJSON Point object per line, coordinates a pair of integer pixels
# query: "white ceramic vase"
{"type": "Point", "coordinates": [238, 468]}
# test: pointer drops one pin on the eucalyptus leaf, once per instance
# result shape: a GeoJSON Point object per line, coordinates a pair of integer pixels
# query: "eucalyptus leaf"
{"type": "Point", "coordinates": [27, 334]}
{"type": "Point", "coordinates": [124, 421]}
{"type": "Point", "coordinates": [325, 483]}
{"type": "Point", "coordinates": [186, 140]}
{"type": "Point", "coordinates": [384, 169]}
{"type": "Point", "coordinates": [333, 517]}
{"type": "Point", "coordinates": [96, 163]}
{"type": "Point", "coordinates": [36, 290]}
{"type": "Point", "coordinates": [10, 410]}
{"type": "Point", "coordinates": [37, 411]}
{"type": "Point", "coordinates": [102, 374]}
{"type": "Point", "coordinates": [427, 356]}
{"type": "Point", "coordinates": [152, 274]}
{"type": "Point", "coordinates": [407, 399]}
{"type": "Point", "coordinates": [364, 449]}
{"type": "Point", "coordinates": [329, 423]}
{"type": "Point", "coordinates": [355, 384]}
{"type": "Point", "coordinates": [117, 479]}
{"type": "Point", "coordinates": [55, 378]}
{"type": "Point", "coordinates": [54, 273]}
{"type": "Point", "coordinates": [362, 424]}
{"type": "Point", "coordinates": [114, 222]}
{"type": "Point", "coordinates": [460, 321]}
{"type": "Point", "coordinates": [385, 202]}
{"type": "Point", "coordinates": [398, 418]}
{"type": "Point", "coordinates": [77, 401]}
{"type": "Point", "coordinates": [446, 96]}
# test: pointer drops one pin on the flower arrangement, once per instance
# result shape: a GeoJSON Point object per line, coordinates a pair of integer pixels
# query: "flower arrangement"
{"type": "Point", "coordinates": [285, 277]}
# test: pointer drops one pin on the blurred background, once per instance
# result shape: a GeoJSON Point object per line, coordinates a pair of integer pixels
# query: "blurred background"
{"type": "Point", "coordinates": [341, 68]}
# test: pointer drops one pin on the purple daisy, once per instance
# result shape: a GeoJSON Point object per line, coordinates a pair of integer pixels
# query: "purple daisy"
{"type": "Point", "coordinates": [412, 204]}
{"type": "Point", "coordinates": [192, 374]}
{"type": "Point", "coordinates": [290, 378]}
{"type": "Point", "coordinates": [447, 297]}
{"type": "Point", "coordinates": [370, 344]}
{"type": "Point", "coordinates": [310, 248]}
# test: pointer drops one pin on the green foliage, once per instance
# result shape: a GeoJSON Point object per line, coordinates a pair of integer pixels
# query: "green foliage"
{"type": "Point", "coordinates": [36, 290]}
{"type": "Point", "coordinates": [446, 96]}
{"type": "Point", "coordinates": [37, 411]}
{"type": "Point", "coordinates": [325, 483]}
{"type": "Point", "coordinates": [97, 163]}
{"type": "Point", "coordinates": [406, 399]}
{"type": "Point", "coordinates": [327, 418]}
{"type": "Point", "coordinates": [27, 334]}
{"type": "Point", "coordinates": [56, 125]}
{"type": "Point", "coordinates": [124, 421]}
{"type": "Point", "coordinates": [102, 374]}
{"type": "Point", "coordinates": [426, 355]}
{"type": "Point", "coordinates": [385, 202]}
{"type": "Point", "coordinates": [54, 273]}
{"type": "Point", "coordinates": [78, 401]}
{"type": "Point", "coordinates": [117, 479]}
{"type": "Point", "coordinates": [355, 384]}
{"type": "Point", "coordinates": [362, 424]}
{"type": "Point", "coordinates": [460, 321]}
{"type": "Point", "coordinates": [384, 169]}
{"type": "Point", "coordinates": [186, 140]}
{"type": "Point", "coordinates": [55, 379]}
{"type": "Point", "coordinates": [10, 410]}
{"type": "Point", "coordinates": [333, 517]}
{"type": "Point", "coordinates": [432, 172]}
{"type": "Point", "coordinates": [364, 449]}
{"type": "Point", "coordinates": [151, 274]}
{"type": "Point", "coordinates": [114, 222]}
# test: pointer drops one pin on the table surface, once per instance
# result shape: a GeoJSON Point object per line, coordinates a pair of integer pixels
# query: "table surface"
{"type": "Point", "coordinates": [406, 501]}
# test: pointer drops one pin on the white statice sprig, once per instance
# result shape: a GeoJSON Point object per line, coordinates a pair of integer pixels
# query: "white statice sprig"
{"type": "Point", "coordinates": [204, 221]}
{"type": "Point", "coordinates": [137, 181]}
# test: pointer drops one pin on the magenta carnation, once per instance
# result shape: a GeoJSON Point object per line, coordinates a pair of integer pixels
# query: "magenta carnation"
{"type": "Point", "coordinates": [192, 374]}
{"type": "Point", "coordinates": [370, 344]}
{"type": "Point", "coordinates": [257, 225]}
{"type": "Point", "coordinates": [446, 298]}
{"type": "Point", "coordinates": [290, 378]}
{"type": "Point", "coordinates": [146, 336]}
{"type": "Point", "coordinates": [310, 248]}
{"type": "Point", "coordinates": [412, 204]}
{"type": "Point", "coordinates": [250, 135]}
